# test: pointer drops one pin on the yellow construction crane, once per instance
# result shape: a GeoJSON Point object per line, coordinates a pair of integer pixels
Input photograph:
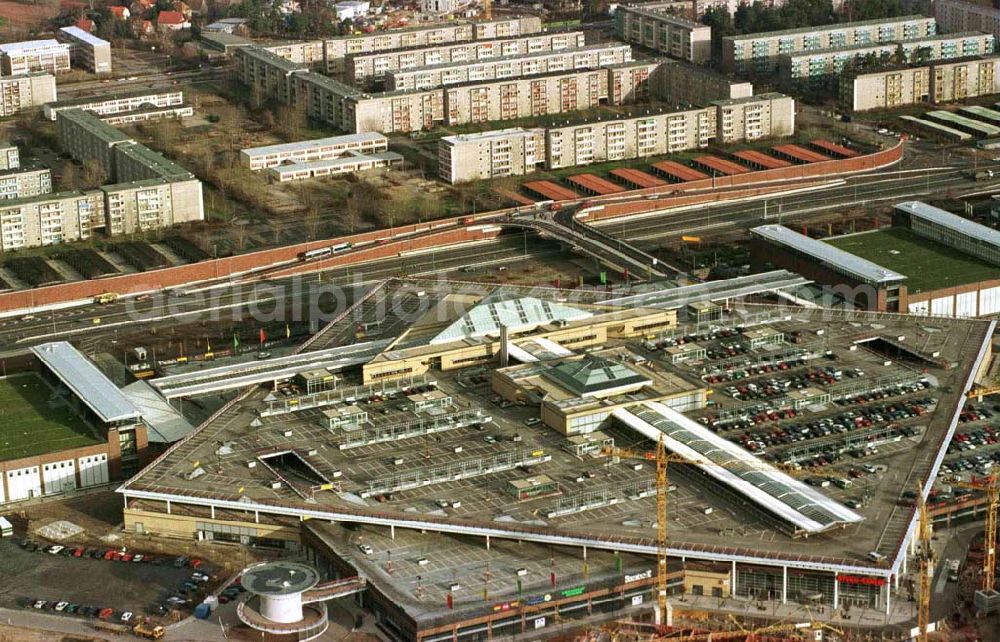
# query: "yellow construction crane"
{"type": "Point", "coordinates": [926, 555]}
{"type": "Point", "coordinates": [662, 459]}
{"type": "Point", "coordinates": [990, 485]}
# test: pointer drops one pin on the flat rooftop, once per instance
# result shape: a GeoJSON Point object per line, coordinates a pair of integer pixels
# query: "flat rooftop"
{"type": "Point", "coordinates": [437, 561]}
{"type": "Point", "coordinates": [30, 45]}
{"type": "Point", "coordinates": [108, 98]}
{"type": "Point", "coordinates": [85, 36]}
{"type": "Point", "coordinates": [279, 578]}
{"type": "Point", "coordinates": [365, 469]}
{"type": "Point", "coordinates": [88, 383]}
{"type": "Point", "coordinates": [316, 143]}
{"type": "Point", "coordinates": [952, 222]}
{"type": "Point", "coordinates": [94, 126]}
{"type": "Point", "coordinates": [925, 264]}
{"type": "Point", "coordinates": [832, 256]}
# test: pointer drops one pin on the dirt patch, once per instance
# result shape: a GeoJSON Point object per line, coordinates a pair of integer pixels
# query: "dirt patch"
{"type": "Point", "coordinates": [19, 634]}
{"type": "Point", "coordinates": [28, 16]}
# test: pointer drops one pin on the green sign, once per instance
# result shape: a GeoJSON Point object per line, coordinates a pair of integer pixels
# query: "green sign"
{"type": "Point", "coordinates": [573, 592]}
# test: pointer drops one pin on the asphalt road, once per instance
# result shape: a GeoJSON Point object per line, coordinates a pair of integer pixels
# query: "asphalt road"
{"type": "Point", "coordinates": [854, 192]}
{"type": "Point", "coordinates": [228, 300]}
{"type": "Point", "coordinates": [234, 299]}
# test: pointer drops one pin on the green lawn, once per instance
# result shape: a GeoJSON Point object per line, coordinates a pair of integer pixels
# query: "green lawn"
{"type": "Point", "coordinates": [927, 265]}
{"type": "Point", "coordinates": [29, 426]}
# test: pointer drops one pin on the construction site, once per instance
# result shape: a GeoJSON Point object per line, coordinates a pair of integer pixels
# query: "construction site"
{"type": "Point", "coordinates": [495, 460]}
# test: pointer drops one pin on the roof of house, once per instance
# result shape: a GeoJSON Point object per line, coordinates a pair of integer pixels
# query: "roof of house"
{"type": "Point", "coordinates": [119, 12]}
{"type": "Point", "coordinates": [170, 18]}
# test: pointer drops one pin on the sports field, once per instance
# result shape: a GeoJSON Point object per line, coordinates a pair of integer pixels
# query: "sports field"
{"type": "Point", "coordinates": [926, 264]}
{"type": "Point", "coordinates": [30, 426]}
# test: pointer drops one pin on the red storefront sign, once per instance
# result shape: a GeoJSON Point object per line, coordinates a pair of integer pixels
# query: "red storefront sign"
{"type": "Point", "coordinates": [861, 579]}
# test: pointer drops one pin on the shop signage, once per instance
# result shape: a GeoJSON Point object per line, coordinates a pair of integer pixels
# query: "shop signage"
{"type": "Point", "coordinates": [861, 579]}
{"type": "Point", "coordinates": [645, 575]}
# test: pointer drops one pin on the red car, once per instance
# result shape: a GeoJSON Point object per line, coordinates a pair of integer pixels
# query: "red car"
{"type": "Point", "coordinates": [195, 563]}
{"type": "Point", "coordinates": [105, 613]}
{"type": "Point", "coordinates": [125, 557]}
{"type": "Point", "coordinates": [78, 552]}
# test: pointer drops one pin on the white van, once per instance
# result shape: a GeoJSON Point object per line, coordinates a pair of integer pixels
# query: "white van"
{"type": "Point", "coordinates": [6, 529]}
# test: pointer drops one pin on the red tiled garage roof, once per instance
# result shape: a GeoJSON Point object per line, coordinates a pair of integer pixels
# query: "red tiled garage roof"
{"type": "Point", "coordinates": [682, 173]}
{"type": "Point", "coordinates": [592, 184]}
{"type": "Point", "coordinates": [720, 165]}
{"type": "Point", "coordinates": [759, 160]}
{"type": "Point", "coordinates": [636, 178]}
{"type": "Point", "coordinates": [548, 189]}
{"type": "Point", "coordinates": [800, 154]}
{"type": "Point", "coordinates": [834, 148]}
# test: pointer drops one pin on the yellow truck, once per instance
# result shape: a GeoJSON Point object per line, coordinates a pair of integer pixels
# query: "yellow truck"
{"type": "Point", "coordinates": [148, 632]}
{"type": "Point", "coordinates": [106, 297]}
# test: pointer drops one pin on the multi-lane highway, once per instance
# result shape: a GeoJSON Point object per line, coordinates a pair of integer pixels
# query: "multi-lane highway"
{"type": "Point", "coordinates": [326, 293]}
{"type": "Point", "coordinates": [234, 300]}
{"type": "Point", "coordinates": [877, 189]}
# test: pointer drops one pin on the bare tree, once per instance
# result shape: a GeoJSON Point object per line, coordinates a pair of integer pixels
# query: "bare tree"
{"type": "Point", "coordinates": [70, 177]}
{"type": "Point", "coordinates": [351, 214]}
{"type": "Point", "coordinates": [312, 220]}
{"type": "Point", "coordinates": [239, 231]}
{"type": "Point", "coordinates": [93, 174]}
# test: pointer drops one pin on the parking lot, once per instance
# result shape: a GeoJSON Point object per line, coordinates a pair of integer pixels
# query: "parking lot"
{"type": "Point", "coordinates": [32, 576]}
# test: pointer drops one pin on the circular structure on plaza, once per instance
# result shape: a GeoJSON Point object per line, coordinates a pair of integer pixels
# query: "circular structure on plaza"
{"type": "Point", "coordinates": [275, 603]}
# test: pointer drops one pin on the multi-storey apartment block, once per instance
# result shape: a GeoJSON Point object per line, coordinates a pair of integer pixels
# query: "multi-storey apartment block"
{"type": "Point", "coordinates": [258, 158]}
{"type": "Point", "coordinates": [938, 82]}
{"type": "Point", "coordinates": [394, 112]}
{"type": "Point", "coordinates": [22, 183]}
{"type": "Point", "coordinates": [680, 83]}
{"type": "Point", "coordinates": [50, 218]}
{"type": "Point", "coordinates": [504, 152]}
{"type": "Point", "coordinates": [594, 56]}
{"type": "Point", "coordinates": [960, 15]}
{"type": "Point", "coordinates": [649, 26]}
{"type": "Point", "coordinates": [84, 136]}
{"type": "Point", "coordinates": [625, 138]}
{"type": "Point", "coordinates": [672, 81]}
{"type": "Point", "coordinates": [348, 109]}
{"type": "Point", "coordinates": [267, 74]}
{"type": "Point", "coordinates": [758, 53]}
{"type": "Point", "coordinates": [324, 98]}
{"type": "Point", "coordinates": [519, 151]}
{"type": "Point", "coordinates": [18, 93]}
{"type": "Point", "coordinates": [337, 49]}
{"type": "Point", "coordinates": [366, 69]}
{"type": "Point", "coordinates": [762, 116]}
{"type": "Point", "coordinates": [821, 66]}
{"type": "Point", "coordinates": [149, 191]}
{"type": "Point", "coordinates": [311, 53]}
{"type": "Point", "coordinates": [33, 56]}
{"type": "Point", "coordinates": [117, 103]}
{"type": "Point", "coordinates": [86, 51]}
{"type": "Point", "coordinates": [555, 93]}
{"type": "Point", "coordinates": [149, 204]}
{"type": "Point", "coordinates": [10, 158]}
